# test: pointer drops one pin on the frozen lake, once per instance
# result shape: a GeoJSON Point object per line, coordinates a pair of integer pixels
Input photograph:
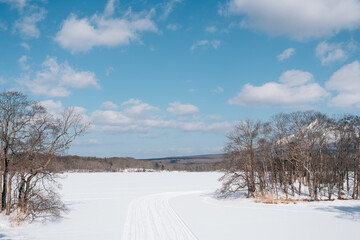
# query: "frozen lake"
{"type": "Point", "coordinates": [173, 205]}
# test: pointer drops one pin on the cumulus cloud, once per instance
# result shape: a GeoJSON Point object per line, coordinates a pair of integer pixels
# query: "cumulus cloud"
{"type": "Point", "coordinates": [218, 89]}
{"type": "Point", "coordinates": [83, 34]}
{"type": "Point", "coordinates": [56, 80]}
{"type": "Point", "coordinates": [109, 105]}
{"type": "Point", "coordinates": [299, 20]}
{"type": "Point", "coordinates": [56, 109]}
{"type": "Point", "coordinates": [53, 107]}
{"type": "Point", "coordinates": [294, 89]}
{"type": "Point", "coordinates": [346, 83]}
{"type": "Point", "coordinates": [135, 116]}
{"type": "Point", "coordinates": [206, 43]}
{"type": "Point", "coordinates": [173, 27]}
{"type": "Point", "coordinates": [137, 108]}
{"type": "Point", "coordinates": [176, 108]}
{"type": "Point", "coordinates": [138, 116]}
{"type": "Point", "coordinates": [287, 53]}
{"type": "Point", "coordinates": [331, 52]}
{"type": "Point", "coordinates": [27, 24]}
{"type": "Point", "coordinates": [23, 62]}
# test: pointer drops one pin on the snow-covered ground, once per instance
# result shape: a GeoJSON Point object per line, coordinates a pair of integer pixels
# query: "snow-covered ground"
{"type": "Point", "coordinates": [178, 205]}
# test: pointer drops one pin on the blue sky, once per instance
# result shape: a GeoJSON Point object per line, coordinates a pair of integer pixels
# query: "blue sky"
{"type": "Point", "coordinates": [161, 78]}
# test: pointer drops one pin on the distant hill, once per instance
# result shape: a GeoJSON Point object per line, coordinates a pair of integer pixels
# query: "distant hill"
{"type": "Point", "coordinates": [196, 159]}
{"type": "Point", "coordinates": [115, 164]}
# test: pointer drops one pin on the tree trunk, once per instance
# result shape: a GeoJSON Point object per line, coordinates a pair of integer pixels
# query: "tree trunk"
{"type": "Point", "coordinates": [8, 201]}
{"type": "Point", "coordinates": [330, 190]}
{"type": "Point", "coordinates": [1, 188]}
{"type": "Point", "coordinates": [340, 186]}
{"type": "Point", "coordinates": [21, 193]}
{"type": "Point", "coordinates": [4, 190]}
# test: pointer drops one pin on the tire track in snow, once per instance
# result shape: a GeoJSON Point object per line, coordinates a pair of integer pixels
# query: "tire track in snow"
{"type": "Point", "coordinates": [152, 218]}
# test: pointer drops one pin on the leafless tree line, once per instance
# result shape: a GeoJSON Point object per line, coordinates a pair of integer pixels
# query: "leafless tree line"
{"type": "Point", "coordinates": [30, 138]}
{"type": "Point", "coordinates": [305, 154]}
{"type": "Point", "coordinates": [62, 164]}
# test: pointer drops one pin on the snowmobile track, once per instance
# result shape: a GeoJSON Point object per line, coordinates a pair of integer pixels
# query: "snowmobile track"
{"type": "Point", "coordinates": [152, 218]}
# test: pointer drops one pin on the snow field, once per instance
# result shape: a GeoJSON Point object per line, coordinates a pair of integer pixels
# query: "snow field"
{"type": "Point", "coordinates": [180, 205]}
{"type": "Point", "coordinates": [151, 217]}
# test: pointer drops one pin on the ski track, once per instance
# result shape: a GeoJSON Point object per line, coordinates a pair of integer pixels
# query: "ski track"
{"type": "Point", "coordinates": [152, 218]}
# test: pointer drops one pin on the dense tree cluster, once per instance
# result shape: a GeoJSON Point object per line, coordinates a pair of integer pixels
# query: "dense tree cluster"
{"type": "Point", "coordinates": [305, 154]}
{"type": "Point", "coordinates": [30, 138]}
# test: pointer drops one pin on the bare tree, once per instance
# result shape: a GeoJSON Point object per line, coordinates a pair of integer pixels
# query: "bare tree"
{"type": "Point", "coordinates": [30, 139]}
{"type": "Point", "coordinates": [16, 111]}
{"type": "Point", "coordinates": [241, 170]}
{"type": "Point", "coordinates": [303, 152]}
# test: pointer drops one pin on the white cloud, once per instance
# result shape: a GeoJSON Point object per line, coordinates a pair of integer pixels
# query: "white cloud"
{"type": "Point", "coordinates": [93, 141]}
{"type": "Point", "coordinates": [192, 90]}
{"type": "Point", "coordinates": [108, 71]}
{"type": "Point", "coordinates": [136, 116]}
{"type": "Point", "coordinates": [218, 89]}
{"type": "Point", "coordinates": [2, 81]}
{"type": "Point", "coordinates": [211, 29]}
{"type": "Point", "coordinates": [56, 109]}
{"type": "Point", "coordinates": [331, 52]}
{"type": "Point", "coordinates": [299, 20]}
{"type": "Point", "coordinates": [346, 82]}
{"type": "Point", "coordinates": [18, 4]}
{"type": "Point", "coordinates": [173, 27]}
{"type": "Point", "coordinates": [55, 80]}
{"type": "Point", "coordinates": [294, 89]}
{"type": "Point", "coordinates": [206, 43]}
{"type": "Point", "coordinates": [296, 78]}
{"type": "Point", "coordinates": [53, 107]}
{"type": "Point", "coordinates": [137, 108]}
{"type": "Point", "coordinates": [25, 45]}
{"type": "Point", "coordinates": [83, 34]}
{"type": "Point", "coordinates": [140, 117]}
{"type": "Point", "coordinates": [3, 26]}
{"type": "Point", "coordinates": [214, 117]}
{"type": "Point", "coordinates": [27, 24]}
{"type": "Point", "coordinates": [132, 101]}
{"type": "Point", "coordinates": [287, 53]}
{"type": "Point", "coordinates": [23, 63]}
{"type": "Point", "coordinates": [110, 117]}
{"type": "Point", "coordinates": [110, 8]}
{"type": "Point", "coordinates": [168, 8]}
{"type": "Point", "coordinates": [109, 105]}
{"type": "Point", "coordinates": [204, 127]}
{"type": "Point", "coordinates": [176, 108]}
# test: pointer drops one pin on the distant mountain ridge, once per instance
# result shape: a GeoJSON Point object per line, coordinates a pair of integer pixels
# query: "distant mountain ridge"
{"type": "Point", "coordinates": [193, 159]}
{"type": "Point", "coordinates": [197, 163]}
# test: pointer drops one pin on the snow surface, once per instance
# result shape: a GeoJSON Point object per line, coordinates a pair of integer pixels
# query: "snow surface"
{"type": "Point", "coordinates": [178, 205]}
{"type": "Point", "coordinates": [152, 217]}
